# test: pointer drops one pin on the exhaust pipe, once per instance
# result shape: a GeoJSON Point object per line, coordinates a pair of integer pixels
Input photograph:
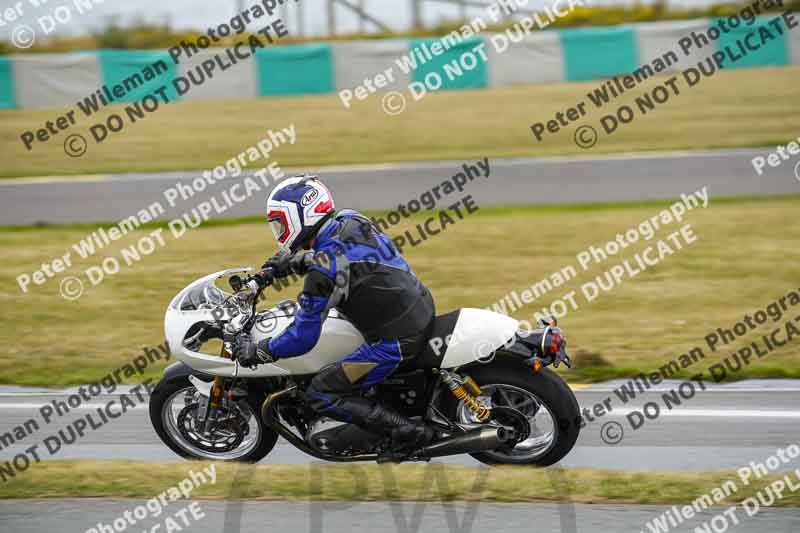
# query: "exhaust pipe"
{"type": "Point", "coordinates": [477, 440]}
{"type": "Point", "coordinates": [271, 398]}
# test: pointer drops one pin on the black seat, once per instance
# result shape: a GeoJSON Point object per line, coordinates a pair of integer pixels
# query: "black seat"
{"type": "Point", "coordinates": [443, 326]}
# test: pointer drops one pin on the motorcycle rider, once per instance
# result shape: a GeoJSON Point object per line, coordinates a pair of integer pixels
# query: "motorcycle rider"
{"type": "Point", "coordinates": [357, 270]}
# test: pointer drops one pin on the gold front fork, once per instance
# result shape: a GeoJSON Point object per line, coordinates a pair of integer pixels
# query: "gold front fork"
{"type": "Point", "coordinates": [216, 392]}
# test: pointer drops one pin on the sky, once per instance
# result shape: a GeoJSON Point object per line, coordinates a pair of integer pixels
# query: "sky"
{"type": "Point", "coordinates": [198, 14]}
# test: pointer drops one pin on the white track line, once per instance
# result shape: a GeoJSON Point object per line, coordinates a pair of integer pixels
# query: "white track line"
{"type": "Point", "coordinates": [713, 413]}
{"type": "Point", "coordinates": [83, 407]}
{"type": "Point", "coordinates": [590, 388]}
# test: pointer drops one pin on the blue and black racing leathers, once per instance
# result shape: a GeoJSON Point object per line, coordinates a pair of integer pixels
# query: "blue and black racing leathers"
{"type": "Point", "coordinates": [358, 270]}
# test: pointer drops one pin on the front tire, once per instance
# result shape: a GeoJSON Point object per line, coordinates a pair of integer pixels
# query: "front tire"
{"type": "Point", "coordinates": [166, 392]}
{"type": "Point", "coordinates": [504, 379]}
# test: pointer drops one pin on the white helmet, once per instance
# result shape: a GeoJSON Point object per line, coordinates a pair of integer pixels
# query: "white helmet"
{"type": "Point", "coordinates": [296, 209]}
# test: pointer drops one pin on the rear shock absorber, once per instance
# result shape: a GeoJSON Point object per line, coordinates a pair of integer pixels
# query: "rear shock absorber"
{"type": "Point", "coordinates": [464, 389]}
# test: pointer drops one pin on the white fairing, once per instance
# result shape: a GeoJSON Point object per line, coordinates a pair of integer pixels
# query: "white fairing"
{"type": "Point", "coordinates": [477, 334]}
{"type": "Point", "coordinates": [338, 339]}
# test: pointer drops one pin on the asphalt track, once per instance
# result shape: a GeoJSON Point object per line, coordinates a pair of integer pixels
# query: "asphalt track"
{"type": "Point", "coordinates": [618, 178]}
{"type": "Point", "coordinates": [70, 516]}
{"type": "Point", "coordinates": [724, 427]}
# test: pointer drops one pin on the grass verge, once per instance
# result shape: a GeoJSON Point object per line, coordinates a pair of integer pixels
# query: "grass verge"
{"type": "Point", "coordinates": [734, 108]}
{"type": "Point", "coordinates": [746, 256]}
{"type": "Point", "coordinates": [370, 482]}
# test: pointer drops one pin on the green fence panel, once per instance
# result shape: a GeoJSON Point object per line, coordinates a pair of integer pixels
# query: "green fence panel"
{"type": "Point", "coordinates": [295, 70]}
{"type": "Point", "coordinates": [773, 51]}
{"type": "Point", "coordinates": [458, 67]}
{"type": "Point", "coordinates": [7, 99]}
{"type": "Point", "coordinates": [596, 53]}
{"type": "Point", "coordinates": [139, 73]}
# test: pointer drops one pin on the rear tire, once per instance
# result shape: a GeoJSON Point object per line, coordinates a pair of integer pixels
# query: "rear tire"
{"type": "Point", "coordinates": [549, 389]}
{"type": "Point", "coordinates": [165, 390]}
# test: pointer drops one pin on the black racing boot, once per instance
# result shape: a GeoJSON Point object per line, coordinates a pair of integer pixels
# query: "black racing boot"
{"type": "Point", "coordinates": [406, 435]}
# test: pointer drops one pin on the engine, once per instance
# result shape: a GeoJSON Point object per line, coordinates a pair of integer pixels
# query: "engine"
{"type": "Point", "coordinates": [331, 436]}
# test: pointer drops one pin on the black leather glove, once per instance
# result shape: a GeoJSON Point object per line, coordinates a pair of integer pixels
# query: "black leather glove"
{"type": "Point", "coordinates": [280, 264]}
{"type": "Point", "coordinates": [300, 263]}
{"type": "Point", "coordinates": [249, 354]}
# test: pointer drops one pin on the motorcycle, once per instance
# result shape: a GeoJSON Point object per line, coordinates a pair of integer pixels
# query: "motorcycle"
{"type": "Point", "coordinates": [480, 382]}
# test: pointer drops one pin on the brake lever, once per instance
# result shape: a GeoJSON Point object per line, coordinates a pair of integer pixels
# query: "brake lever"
{"type": "Point", "coordinates": [257, 283]}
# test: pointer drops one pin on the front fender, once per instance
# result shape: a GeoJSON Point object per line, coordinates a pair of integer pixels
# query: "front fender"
{"type": "Point", "coordinates": [179, 370]}
{"type": "Point", "coordinates": [256, 388]}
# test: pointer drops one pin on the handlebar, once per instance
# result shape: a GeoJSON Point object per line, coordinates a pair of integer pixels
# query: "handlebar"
{"type": "Point", "coordinates": [263, 277]}
{"type": "Point", "coordinates": [298, 264]}
{"type": "Point", "coordinates": [256, 285]}
{"type": "Point", "coordinates": [256, 282]}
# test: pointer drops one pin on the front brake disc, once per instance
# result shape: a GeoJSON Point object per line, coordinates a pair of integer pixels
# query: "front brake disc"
{"type": "Point", "coordinates": [220, 444]}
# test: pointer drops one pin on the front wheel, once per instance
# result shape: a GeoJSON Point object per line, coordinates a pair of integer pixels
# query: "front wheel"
{"type": "Point", "coordinates": [543, 398]}
{"type": "Point", "coordinates": [238, 434]}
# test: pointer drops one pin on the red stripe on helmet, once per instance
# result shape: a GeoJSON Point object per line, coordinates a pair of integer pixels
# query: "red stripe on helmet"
{"type": "Point", "coordinates": [281, 215]}
{"type": "Point", "coordinates": [324, 207]}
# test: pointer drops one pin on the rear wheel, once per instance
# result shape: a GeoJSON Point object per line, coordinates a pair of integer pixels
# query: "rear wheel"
{"type": "Point", "coordinates": [543, 398]}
